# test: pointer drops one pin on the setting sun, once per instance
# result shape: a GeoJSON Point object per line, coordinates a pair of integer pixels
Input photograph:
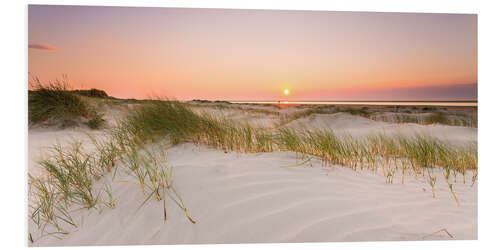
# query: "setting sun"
{"type": "Point", "coordinates": [147, 89]}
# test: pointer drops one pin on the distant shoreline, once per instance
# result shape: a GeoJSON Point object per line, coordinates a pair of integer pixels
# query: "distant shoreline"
{"type": "Point", "coordinates": [378, 103]}
{"type": "Point", "coordinates": [354, 101]}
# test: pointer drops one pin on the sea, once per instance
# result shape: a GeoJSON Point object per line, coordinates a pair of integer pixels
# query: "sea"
{"type": "Point", "coordinates": [377, 103]}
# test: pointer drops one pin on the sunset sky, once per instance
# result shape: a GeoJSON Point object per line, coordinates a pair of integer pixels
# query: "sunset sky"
{"type": "Point", "coordinates": [223, 54]}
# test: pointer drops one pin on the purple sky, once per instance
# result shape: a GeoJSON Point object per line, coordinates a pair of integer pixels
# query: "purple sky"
{"type": "Point", "coordinates": [256, 54]}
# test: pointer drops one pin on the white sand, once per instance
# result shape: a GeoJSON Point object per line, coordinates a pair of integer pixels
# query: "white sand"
{"type": "Point", "coordinates": [244, 198]}
{"type": "Point", "coordinates": [41, 140]}
{"type": "Point", "coordinates": [344, 123]}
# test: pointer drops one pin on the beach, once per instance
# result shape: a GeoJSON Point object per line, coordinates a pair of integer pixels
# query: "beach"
{"type": "Point", "coordinates": [276, 195]}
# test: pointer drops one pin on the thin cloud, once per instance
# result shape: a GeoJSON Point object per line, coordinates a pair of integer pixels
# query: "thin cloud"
{"type": "Point", "coordinates": [43, 46]}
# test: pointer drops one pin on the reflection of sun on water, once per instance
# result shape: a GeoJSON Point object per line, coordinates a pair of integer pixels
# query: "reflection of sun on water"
{"type": "Point", "coordinates": [286, 92]}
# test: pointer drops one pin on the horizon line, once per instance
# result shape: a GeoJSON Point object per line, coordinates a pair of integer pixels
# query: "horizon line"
{"type": "Point", "coordinates": [338, 100]}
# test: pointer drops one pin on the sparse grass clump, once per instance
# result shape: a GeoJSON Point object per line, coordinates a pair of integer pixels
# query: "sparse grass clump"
{"type": "Point", "coordinates": [53, 100]}
{"type": "Point", "coordinates": [322, 109]}
{"type": "Point", "coordinates": [69, 179]}
{"type": "Point", "coordinates": [96, 93]}
{"type": "Point", "coordinates": [96, 122]}
{"type": "Point", "coordinates": [364, 112]}
{"type": "Point", "coordinates": [458, 118]}
{"type": "Point", "coordinates": [437, 117]}
{"type": "Point", "coordinates": [396, 114]}
{"type": "Point", "coordinates": [155, 176]}
{"type": "Point", "coordinates": [310, 110]}
{"type": "Point", "coordinates": [55, 103]}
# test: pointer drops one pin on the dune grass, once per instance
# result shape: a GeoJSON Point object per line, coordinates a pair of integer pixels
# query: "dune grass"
{"type": "Point", "coordinates": [68, 184]}
{"type": "Point", "coordinates": [423, 116]}
{"type": "Point", "coordinates": [435, 117]}
{"type": "Point", "coordinates": [155, 176]}
{"type": "Point", "coordinates": [138, 142]}
{"type": "Point", "coordinates": [54, 102]}
{"type": "Point", "coordinates": [220, 105]}
{"type": "Point", "coordinates": [73, 179]}
{"type": "Point", "coordinates": [393, 156]}
{"type": "Point", "coordinates": [180, 124]}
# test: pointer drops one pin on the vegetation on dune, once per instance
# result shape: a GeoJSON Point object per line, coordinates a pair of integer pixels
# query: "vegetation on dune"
{"type": "Point", "coordinates": [136, 145]}
{"type": "Point", "coordinates": [217, 105]}
{"type": "Point", "coordinates": [69, 182]}
{"type": "Point", "coordinates": [96, 93]}
{"type": "Point", "coordinates": [329, 109]}
{"type": "Point", "coordinates": [423, 116]}
{"type": "Point", "coordinates": [73, 179]}
{"type": "Point", "coordinates": [158, 119]}
{"type": "Point", "coordinates": [436, 117]}
{"type": "Point", "coordinates": [209, 102]}
{"type": "Point", "coordinates": [96, 122]}
{"type": "Point", "coordinates": [149, 166]}
{"type": "Point", "coordinates": [54, 103]}
{"type": "Point", "coordinates": [53, 100]}
{"type": "Point", "coordinates": [391, 155]}
{"type": "Point", "coordinates": [181, 124]}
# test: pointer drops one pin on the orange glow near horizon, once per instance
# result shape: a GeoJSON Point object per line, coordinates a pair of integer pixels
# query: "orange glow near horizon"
{"type": "Point", "coordinates": [221, 54]}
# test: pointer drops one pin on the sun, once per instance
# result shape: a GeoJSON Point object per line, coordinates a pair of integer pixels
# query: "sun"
{"type": "Point", "coordinates": [286, 91]}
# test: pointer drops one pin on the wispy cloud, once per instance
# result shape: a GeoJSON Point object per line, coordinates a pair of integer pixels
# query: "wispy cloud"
{"type": "Point", "coordinates": [43, 46]}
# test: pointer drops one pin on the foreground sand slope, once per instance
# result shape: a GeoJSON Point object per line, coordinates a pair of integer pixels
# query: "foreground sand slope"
{"type": "Point", "coordinates": [252, 198]}
{"type": "Point", "coordinates": [41, 140]}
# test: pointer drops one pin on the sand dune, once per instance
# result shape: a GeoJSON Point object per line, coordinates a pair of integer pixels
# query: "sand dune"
{"type": "Point", "coordinates": [256, 198]}
{"type": "Point", "coordinates": [344, 123]}
{"type": "Point", "coordinates": [252, 198]}
{"type": "Point", "coordinates": [40, 141]}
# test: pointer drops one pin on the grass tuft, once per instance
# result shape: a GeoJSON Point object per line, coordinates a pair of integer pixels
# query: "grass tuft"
{"type": "Point", "coordinates": [53, 102]}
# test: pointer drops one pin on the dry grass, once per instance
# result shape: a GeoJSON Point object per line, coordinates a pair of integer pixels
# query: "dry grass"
{"type": "Point", "coordinates": [73, 180]}
{"type": "Point", "coordinates": [179, 123]}
{"type": "Point", "coordinates": [136, 145]}
{"type": "Point", "coordinates": [464, 119]}
{"type": "Point", "coordinates": [54, 102]}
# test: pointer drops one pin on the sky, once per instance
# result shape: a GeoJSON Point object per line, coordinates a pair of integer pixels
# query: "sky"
{"type": "Point", "coordinates": [229, 54]}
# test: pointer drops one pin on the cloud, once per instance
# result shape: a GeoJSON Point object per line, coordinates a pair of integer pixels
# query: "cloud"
{"type": "Point", "coordinates": [43, 46]}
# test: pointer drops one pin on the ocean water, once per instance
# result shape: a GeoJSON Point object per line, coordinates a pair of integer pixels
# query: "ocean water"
{"type": "Point", "coordinates": [377, 103]}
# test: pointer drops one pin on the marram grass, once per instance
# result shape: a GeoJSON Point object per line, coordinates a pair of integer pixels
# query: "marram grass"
{"type": "Point", "coordinates": [179, 123]}
{"type": "Point", "coordinates": [135, 145]}
{"type": "Point", "coordinates": [392, 155]}
{"type": "Point", "coordinates": [54, 102]}
{"type": "Point", "coordinates": [71, 174]}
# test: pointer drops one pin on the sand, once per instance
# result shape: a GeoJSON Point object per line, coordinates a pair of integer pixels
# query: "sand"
{"type": "Point", "coordinates": [344, 123]}
{"type": "Point", "coordinates": [254, 198]}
